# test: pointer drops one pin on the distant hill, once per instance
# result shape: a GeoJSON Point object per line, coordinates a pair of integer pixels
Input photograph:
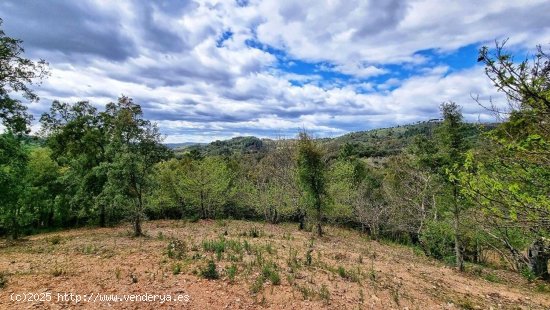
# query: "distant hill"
{"type": "Point", "coordinates": [379, 142]}
{"type": "Point", "coordinates": [181, 145]}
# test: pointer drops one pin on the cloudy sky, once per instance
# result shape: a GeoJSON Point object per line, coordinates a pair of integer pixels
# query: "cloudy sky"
{"type": "Point", "coordinates": [207, 70]}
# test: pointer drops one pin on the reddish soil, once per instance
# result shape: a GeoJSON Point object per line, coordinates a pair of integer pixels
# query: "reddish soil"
{"type": "Point", "coordinates": [344, 270]}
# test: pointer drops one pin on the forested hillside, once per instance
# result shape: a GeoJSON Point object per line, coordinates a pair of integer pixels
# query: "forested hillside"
{"type": "Point", "coordinates": [462, 193]}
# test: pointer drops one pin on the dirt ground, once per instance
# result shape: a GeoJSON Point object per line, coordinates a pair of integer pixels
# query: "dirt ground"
{"type": "Point", "coordinates": [259, 266]}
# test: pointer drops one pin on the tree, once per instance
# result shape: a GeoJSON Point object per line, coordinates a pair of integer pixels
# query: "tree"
{"type": "Point", "coordinates": [410, 191]}
{"type": "Point", "coordinates": [17, 74]}
{"type": "Point", "coordinates": [311, 174]}
{"type": "Point", "coordinates": [207, 184]}
{"type": "Point", "coordinates": [453, 145]}
{"type": "Point", "coordinates": [77, 135]}
{"type": "Point", "coordinates": [509, 179]}
{"type": "Point", "coordinates": [275, 180]}
{"type": "Point", "coordinates": [42, 179]}
{"type": "Point", "coordinates": [13, 161]}
{"type": "Point", "coordinates": [134, 147]}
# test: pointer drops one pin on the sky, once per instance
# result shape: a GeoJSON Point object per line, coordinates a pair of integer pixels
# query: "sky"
{"type": "Point", "coordinates": [208, 70]}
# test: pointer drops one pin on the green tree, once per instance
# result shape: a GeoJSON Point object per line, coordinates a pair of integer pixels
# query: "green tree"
{"type": "Point", "coordinates": [77, 135]}
{"type": "Point", "coordinates": [311, 174]}
{"type": "Point", "coordinates": [17, 74]}
{"type": "Point", "coordinates": [207, 184]}
{"type": "Point", "coordinates": [453, 145]}
{"type": "Point", "coordinates": [133, 149]}
{"type": "Point", "coordinates": [509, 179]}
{"type": "Point", "coordinates": [272, 188]}
{"type": "Point", "coordinates": [14, 213]}
{"type": "Point", "coordinates": [43, 186]}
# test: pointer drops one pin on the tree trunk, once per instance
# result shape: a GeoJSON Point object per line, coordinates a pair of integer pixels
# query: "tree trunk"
{"type": "Point", "coordinates": [102, 215]}
{"type": "Point", "coordinates": [203, 210]}
{"type": "Point", "coordinates": [538, 256]}
{"type": "Point", "coordinates": [301, 219]}
{"type": "Point", "coordinates": [456, 224]}
{"type": "Point", "coordinates": [137, 218]}
{"type": "Point", "coordinates": [319, 219]}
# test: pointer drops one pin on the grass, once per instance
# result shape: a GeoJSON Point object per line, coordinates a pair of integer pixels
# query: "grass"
{"type": "Point", "coordinates": [231, 273]}
{"type": "Point", "coordinates": [176, 269]}
{"type": "Point", "coordinates": [210, 271]}
{"type": "Point", "coordinates": [491, 277]}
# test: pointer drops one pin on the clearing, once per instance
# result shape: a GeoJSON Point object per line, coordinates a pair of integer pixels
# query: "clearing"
{"type": "Point", "coordinates": [258, 266]}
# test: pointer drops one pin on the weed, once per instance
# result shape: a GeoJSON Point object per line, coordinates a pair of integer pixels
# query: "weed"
{"type": "Point", "coordinates": [258, 284]}
{"type": "Point", "coordinates": [214, 245]}
{"type": "Point", "coordinates": [269, 272]}
{"type": "Point", "coordinates": [117, 274]}
{"type": "Point", "coordinates": [89, 249]}
{"type": "Point", "coordinates": [269, 249]}
{"type": "Point", "coordinates": [342, 272]}
{"type": "Point", "coordinates": [160, 236]}
{"type": "Point", "coordinates": [308, 257]}
{"type": "Point", "coordinates": [57, 271]}
{"type": "Point", "coordinates": [290, 278]}
{"type": "Point", "coordinates": [176, 249]}
{"type": "Point", "coordinates": [528, 274]}
{"type": "Point", "coordinates": [232, 272]}
{"type": "Point", "coordinates": [247, 247]}
{"type": "Point", "coordinates": [306, 292]}
{"type": "Point", "coordinates": [491, 277]}
{"type": "Point", "coordinates": [55, 240]}
{"type": "Point", "coordinates": [395, 294]}
{"type": "Point", "coordinates": [542, 288]}
{"type": "Point", "coordinates": [176, 269]}
{"type": "Point", "coordinates": [324, 294]}
{"type": "Point", "coordinates": [293, 258]}
{"type": "Point", "coordinates": [3, 279]}
{"type": "Point", "coordinates": [210, 272]}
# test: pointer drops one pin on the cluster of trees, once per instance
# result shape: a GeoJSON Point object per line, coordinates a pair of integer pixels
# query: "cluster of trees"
{"type": "Point", "coordinates": [454, 194]}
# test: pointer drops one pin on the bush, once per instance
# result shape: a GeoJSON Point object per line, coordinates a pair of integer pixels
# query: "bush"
{"type": "Point", "coordinates": [270, 273]}
{"type": "Point", "coordinates": [3, 279]}
{"type": "Point", "coordinates": [210, 272]}
{"type": "Point", "coordinates": [176, 249]}
{"type": "Point", "coordinates": [438, 241]}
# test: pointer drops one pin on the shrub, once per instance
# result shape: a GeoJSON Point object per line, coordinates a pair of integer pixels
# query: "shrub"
{"type": "Point", "coordinates": [210, 272]}
{"type": "Point", "coordinates": [176, 249]}
{"type": "Point", "coordinates": [438, 241]}
{"type": "Point", "coordinates": [176, 269]}
{"type": "Point", "coordinates": [3, 279]}
{"type": "Point", "coordinates": [231, 273]}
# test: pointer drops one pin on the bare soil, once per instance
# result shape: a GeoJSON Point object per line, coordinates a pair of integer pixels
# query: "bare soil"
{"type": "Point", "coordinates": [343, 270]}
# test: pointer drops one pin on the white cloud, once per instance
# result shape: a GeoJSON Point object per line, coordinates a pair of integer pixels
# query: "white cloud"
{"type": "Point", "coordinates": [201, 84]}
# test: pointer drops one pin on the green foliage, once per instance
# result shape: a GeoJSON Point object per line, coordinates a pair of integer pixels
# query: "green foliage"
{"type": "Point", "coordinates": [438, 241]}
{"type": "Point", "coordinates": [176, 249]}
{"type": "Point", "coordinates": [176, 269]}
{"type": "Point", "coordinates": [311, 175]}
{"type": "Point", "coordinates": [209, 271]}
{"type": "Point", "coordinates": [18, 75]}
{"type": "Point", "coordinates": [3, 279]}
{"type": "Point", "coordinates": [232, 272]}
{"type": "Point", "coordinates": [13, 165]}
{"type": "Point", "coordinates": [269, 272]}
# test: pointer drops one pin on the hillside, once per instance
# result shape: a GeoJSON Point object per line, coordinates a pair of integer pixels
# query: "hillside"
{"type": "Point", "coordinates": [378, 142]}
{"type": "Point", "coordinates": [259, 266]}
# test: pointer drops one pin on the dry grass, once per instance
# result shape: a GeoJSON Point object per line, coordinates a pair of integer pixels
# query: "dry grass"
{"type": "Point", "coordinates": [258, 265]}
